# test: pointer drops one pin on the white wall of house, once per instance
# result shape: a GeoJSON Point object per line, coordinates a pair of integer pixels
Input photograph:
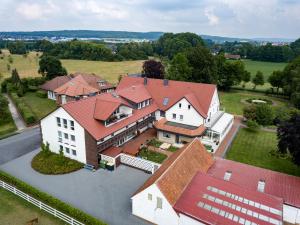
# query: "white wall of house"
{"type": "Point", "coordinates": [51, 95]}
{"type": "Point", "coordinates": [125, 109]}
{"type": "Point", "coordinates": [147, 209]}
{"type": "Point", "coordinates": [190, 115]}
{"type": "Point", "coordinates": [214, 105]}
{"type": "Point", "coordinates": [161, 135]}
{"type": "Point", "coordinates": [291, 214]}
{"type": "Point", "coordinates": [186, 220]}
{"type": "Point", "coordinates": [50, 128]}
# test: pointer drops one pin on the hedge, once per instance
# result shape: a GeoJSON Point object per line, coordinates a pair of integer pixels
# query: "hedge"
{"type": "Point", "coordinates": [41, 94]}
{"type": "Point", "coordinates": [49, 200]}
{"type": "Point", "coordinates": [25, 111]}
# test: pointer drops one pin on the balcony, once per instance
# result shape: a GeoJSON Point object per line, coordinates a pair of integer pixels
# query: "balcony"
{"type": "Point", "coordinates": [116, 118]}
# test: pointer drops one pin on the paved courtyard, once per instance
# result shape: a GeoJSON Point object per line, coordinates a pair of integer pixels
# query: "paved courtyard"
{"type": "Point", "coordinates": [103, 194]}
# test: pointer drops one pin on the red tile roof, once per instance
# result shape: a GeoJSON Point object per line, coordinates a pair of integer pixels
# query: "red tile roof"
{"type": "Point", "coordinates": [277, 184]}
{"type": "Point", "coordinates": [93, 80]}
{"type": "Point", "coordinates": [76, 87]}
{"type": "Point", "coordinates": [178, 170]}
{"type": "Point", "coordinates": [162, 124]}
{"type": "Point", "coordinates": [135, 93]}
{"type": "Point", "coordinates": [112, 151]}
{"type": "Point", "coordinates": [211, 191]}
{"type": "Point", "coordinates": [174, 91]}
{"type": "Point", "coordinates": [83, 112]}
{"type": "Point", "coordinates": [56, 82]}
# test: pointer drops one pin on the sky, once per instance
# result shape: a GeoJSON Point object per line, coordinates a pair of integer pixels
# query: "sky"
{"type": "Point", "coordinates": [231, 18]}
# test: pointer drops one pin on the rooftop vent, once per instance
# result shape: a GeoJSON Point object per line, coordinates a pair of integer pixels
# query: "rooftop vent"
{"type": "Point", "coordinates": [133, 87]}
{"type": "Point", "coordinates": [165, 101]}
{"type": "Point", "coordinates": [145, 81]}
{"type": "Point", "coordinates": [261, 186]}
{"type": "Point", "coordinates": [166, 82]}
{"type": "Point", "coordinates": [227, 175]}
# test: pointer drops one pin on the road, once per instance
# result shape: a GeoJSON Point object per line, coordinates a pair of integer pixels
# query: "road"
{"type": "Point", "coordinates": [20, 144]}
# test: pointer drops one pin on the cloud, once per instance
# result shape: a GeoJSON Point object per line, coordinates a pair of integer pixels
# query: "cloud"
{"type": "Point", "coordinates": [212, 18]}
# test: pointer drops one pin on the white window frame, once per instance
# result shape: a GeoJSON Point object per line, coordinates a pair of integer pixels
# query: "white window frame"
{"type": "Point", "coordinates": [159, 203]}
{"type": "Point", "coordinates": [59, 136]}
{"type": "Point", "coordinates": [174, 116]}
{"type": "Point", "coordinates": [74, 151]}
{"type": "Point", "coordinates": [58, 121]}
{"type": "Point", "coordinates": [72, 125]}
{"type": "Point", "coordinates": [181, 117]}
{"type": "Point", "coordinates": [166, 135]}
{"type": "Point", "coordinates": [149, 197]}
{"type": "Point", "coordinates": [65, 123]}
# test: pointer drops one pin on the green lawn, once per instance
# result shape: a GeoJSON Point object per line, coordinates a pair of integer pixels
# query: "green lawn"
{"type": "Point", "coordinates": [234, 101]}
{"type": "Point", "coordinates": [14, 210]}
{"type": "Point", "coordinates": [152, 156]}
{"type": "Point", "coordinates": [8, 126]}
{"type": "Point", "coordinates": [39, 106]}
{"type": "Point", "coordinates": [265, 67]}
{"type": "Point", "coordinates": [28, 67]}
{"type": "Point", "coordinates": [257, 148]}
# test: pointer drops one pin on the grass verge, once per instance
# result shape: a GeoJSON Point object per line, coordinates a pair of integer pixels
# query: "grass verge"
{"type": "Point", "coordinates": [259, 149]}
{"type": "Point", "coordinates": [152, 156]}
{"type": "Point", "coordinates": [51, 163]}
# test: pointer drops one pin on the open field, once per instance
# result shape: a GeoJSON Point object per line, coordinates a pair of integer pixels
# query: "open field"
{"type": "Point", "coordinates": [28, 66]}
{"type": "Point", "coordinates": [265, 67]}
{"type": "Point", "coordinates": [234, 101]}
{"type": "Point", "coordinates": [255, 148]}
{"type": "Point", "coordinates": [14, 210]}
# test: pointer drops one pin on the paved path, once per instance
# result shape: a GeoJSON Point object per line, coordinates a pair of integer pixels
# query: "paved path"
{"type": "Point", "coordinates": [226, 143]}
{"type": "Point", "coordinates": [15, 114]}
{"type": "Point", "coordinates": [20, 144]}
{"type": "Point", "coordinates": [103, 194]}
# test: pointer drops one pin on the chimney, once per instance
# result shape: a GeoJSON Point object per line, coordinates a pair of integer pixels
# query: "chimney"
{"type": "Point", "coordinates": [145, 81]}
{"type": "Point", "coordinates": [166, 82]}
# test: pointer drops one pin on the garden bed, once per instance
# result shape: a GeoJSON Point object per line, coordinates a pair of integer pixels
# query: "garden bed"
{"type": "Point", "coordinates": [51, 163]}
{"type": "Point", "coordinates": [156, 157]}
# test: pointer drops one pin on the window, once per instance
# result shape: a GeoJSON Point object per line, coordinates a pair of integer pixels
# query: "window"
{"type": "Point", "coordinates": [261, 186]}
{"type": "Point", "coordinates": [174, 116]}
{"type": "Point", "coordinates": [150, 197]}
{"type": "Point", "coordinates": [180, 105]}
{"type": "Point", "coordinates": [58, 121]}
{"type": "Point", "coordinates": [165, 101]}
{"type": "Point", "coordinates": [67, 150]}
{"type": "Point", "coordinates": [66, 136]}
{"type": "Point", "coordinates": [72, 124]}
{"type": "Point", "coordinates": [61, 148]}
{"type": "Point", "coordinates": [59, 136]}
{"type": "Point", "coordinates": [72, 137]}
{"type": "Point", "coordinates": [166, 135]}
{"type": "Point", "coordinates": [158, 203]}
{"type": "Point", "coordinates": [74, 152]}
{"type": "Point", "coordinates": [65, 123]}
{"type": "Point", "coordinates": [181, 117]}
{"type": "Point", "coordinates": [189, 106]}
{"type": "Point", "coordinates": [162, 113]}
{"type": "Point", "coordinates": [227, 175]}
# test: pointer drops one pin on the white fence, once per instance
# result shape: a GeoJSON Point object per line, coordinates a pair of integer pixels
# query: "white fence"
{"type": "Point", "coordinates": [139, 163]}
{"type": "Point", "coordinates": [40, 204]}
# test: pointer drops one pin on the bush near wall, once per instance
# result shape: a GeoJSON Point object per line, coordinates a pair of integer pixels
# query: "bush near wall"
{"type": "Point", "coordinates": [25, 111]}
{"type": "Point", "coordinates": [41, 94]}
{"type": "Point", "coordinates": [49, 200]}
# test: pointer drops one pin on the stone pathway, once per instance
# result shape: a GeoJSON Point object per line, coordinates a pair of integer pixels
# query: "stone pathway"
{"type": "Point", "coordinates": [15, 114]}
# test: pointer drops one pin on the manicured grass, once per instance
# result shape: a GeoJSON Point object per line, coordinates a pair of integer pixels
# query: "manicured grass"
{"type": "Point", "coordinates": [51, 163]}
{"type": "Point", "coordinates": [172, 149]}
{"type": "Point", "coordinates": [39, 106]}
{"type": "Point", "coordinates": [259, 149]}
{"type": "Point", "coordinates": [28, 67]}
{"type": "Point", "coordinates": [152, 156]}
{"type": "Point", "coordinates": [7, 128]}
{"type": "Point", "coordinates": [15, 210]}
{"type": "Point", "coordinates": [155, 142]}
{"type": "Point", "coordinates": [265, 67]}
{"type": "Point", "coordinates": [235, 101]}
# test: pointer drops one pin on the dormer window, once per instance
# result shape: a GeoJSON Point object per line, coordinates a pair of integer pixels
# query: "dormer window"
{"type": "Point", "coordinates": [101, 83]}
{"type": "Point", "coordinates": [261, 185]}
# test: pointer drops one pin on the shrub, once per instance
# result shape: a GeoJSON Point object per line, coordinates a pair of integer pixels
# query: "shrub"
{"type": "Point", "coordinates": [41, 94]}
{"type": "Point", "coordinates": [49, 200]}
{"type": "Point", "coordinates": [252, 125]}
{"type": "Point", "coordinates": [264, 114]}
{"type": "Point", "coordinates": [249, 112]}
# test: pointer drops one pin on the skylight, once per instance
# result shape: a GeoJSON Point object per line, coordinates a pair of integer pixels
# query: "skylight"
{"type": "Point", "coordinates": [261, 186]}
{"type": "Point", "coordinates": [227, 175]}
{"type": "Point", "coordinates": [165, 101]}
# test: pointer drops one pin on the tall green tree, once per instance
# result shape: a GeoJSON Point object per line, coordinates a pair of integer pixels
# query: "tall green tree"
{"type": "Point", "coordinates": [258, 79]}
{"type": "Point", "coordinates": [15, 78]}
{"type": "Point", "coordinates": [179, 68]}
{"type": "Point", "coordinates": [276, 79]}
{"type": "Point", "coordinates": [51, 67]}
{"type": "Point", "coordinates": [246, 77]}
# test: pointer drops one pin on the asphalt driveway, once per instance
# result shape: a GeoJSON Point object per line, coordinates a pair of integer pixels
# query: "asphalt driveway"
{"type": "Point", "coordinates": [103, 194]}
{"type": "Point", "coordinates": [20, 144]}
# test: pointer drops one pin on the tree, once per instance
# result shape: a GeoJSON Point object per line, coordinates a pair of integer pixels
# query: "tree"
{"type": "Point", "coordinates": [276, 80]}
{"type": "Point", "coordinates": [264, 114]}
{"type": "Point", "coordinates": [289, 138]}
{"type": "Point", "coordinates": [51, 67]}
{"type": "Point", "coordinates": [15, 78]}
{"type": "Point", "coordinates": [179, 68]}
{"type": "Point", "coordinates": [246, 77]}
{"type": "Point", "coordinates": [252, 125]}
{"type": "Point", "coordinates": [153, 69]}
{"type": "Point", "coordinates": [203, 65]}
{"type": "Point", "coordinates": [249, 112]}
{"type": "Point", "coordinates": [3, 109]}
{"type": "Point", "coordinates": [258, 79]}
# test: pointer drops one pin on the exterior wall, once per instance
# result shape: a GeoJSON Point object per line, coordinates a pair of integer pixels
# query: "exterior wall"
{"type": "Point", "coordinates": [49, 130]}
{"type": "Point", "coordinates": [147, 209]}
{"type": "Point", "coordinates": [291, 215]}
{"type": "Point", "coordinates": [214, 105]}
{"type": "Point", "coordinates": [51, 95]}
{"type": "Point", "coordinates": [185, 139]}
{"type": "Point", "coordinates": [186, 220]}
{"type": "Point", "coordinates": [91, 150]}
{"type": "Point", "coordinates": [190, 116]}
{"type": "Point", "coordinates": [170, 140]}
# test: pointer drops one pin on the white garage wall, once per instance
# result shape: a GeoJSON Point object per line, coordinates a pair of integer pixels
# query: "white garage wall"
{"type": "Point", "coordinates": [190, 116]}
{"type": "Point", "coordinates": [50, 130]}
{"type": "Point", "coordinates": [146, 209]}
{"type": "Point", "coordinates": [185, 220]}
